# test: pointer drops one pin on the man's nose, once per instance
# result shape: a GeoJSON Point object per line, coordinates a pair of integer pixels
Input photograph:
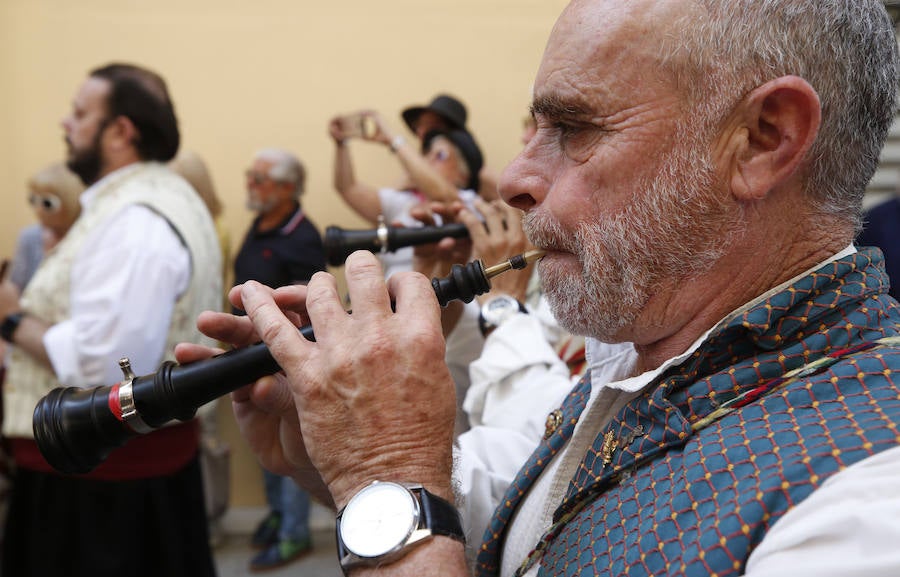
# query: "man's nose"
{"type": "Point", "coordinates": [523, 183]}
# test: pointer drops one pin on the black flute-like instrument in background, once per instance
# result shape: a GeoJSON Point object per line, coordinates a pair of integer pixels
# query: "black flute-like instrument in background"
{"type": "Point", "coordinates": [339, 242]}
{"type": "Point", "coordinates": [77, 428]}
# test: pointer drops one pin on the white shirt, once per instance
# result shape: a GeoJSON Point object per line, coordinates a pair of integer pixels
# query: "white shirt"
{"type": "Point", "coordinates": [849, 526]}
{"type": "Point", "coordinates": [152, 267]}
{"type": "Point", "coordinates": [519, 377]}
{"type": "Point", "coordinates": [515, 383]}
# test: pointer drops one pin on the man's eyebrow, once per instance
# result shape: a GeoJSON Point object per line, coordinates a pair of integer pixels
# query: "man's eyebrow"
{"type": "Point", "coordinates": [556, 107]}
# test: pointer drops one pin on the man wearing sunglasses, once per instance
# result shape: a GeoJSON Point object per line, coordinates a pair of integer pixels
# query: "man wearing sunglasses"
{"type": "Point", "coordinates": [127, 279]}
{"type": "Point", "coordinates": [282, 247]}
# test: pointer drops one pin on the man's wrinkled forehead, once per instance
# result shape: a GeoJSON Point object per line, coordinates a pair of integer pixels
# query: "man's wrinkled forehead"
{"type": "Point", "coordinates": [591, 41]}
{"type": "Point", "coordinates": [612, 19]}
{"type": "Point", "coordinates": [599, 43]}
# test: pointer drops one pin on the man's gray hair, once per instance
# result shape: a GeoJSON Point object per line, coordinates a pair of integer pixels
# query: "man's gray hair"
{"type": "Point", "coordinates": [285, 168]}
{"type": "Point", "coordinates": [845, 49]}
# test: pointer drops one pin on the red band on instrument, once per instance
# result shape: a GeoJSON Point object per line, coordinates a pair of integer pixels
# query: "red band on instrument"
{"type": "Point", "coordinates": [113, 401]}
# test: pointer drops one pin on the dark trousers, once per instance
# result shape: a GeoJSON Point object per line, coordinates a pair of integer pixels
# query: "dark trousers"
{"type": "Point", "coordinates": [68, 526]}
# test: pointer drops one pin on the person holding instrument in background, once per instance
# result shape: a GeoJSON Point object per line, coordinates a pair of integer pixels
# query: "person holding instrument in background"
{"type": "Point", "coordinates": [446, 171]}
{"type": "Point", "coordinates": [132, 274]}
{"type": "Point", "coordinates": [696, 180]}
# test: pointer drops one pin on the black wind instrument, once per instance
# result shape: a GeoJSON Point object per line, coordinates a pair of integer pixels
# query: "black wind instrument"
{"type": "Point", "coordinates": [339, 243]}
{"type": "Point", "coordinates": [77, 428]}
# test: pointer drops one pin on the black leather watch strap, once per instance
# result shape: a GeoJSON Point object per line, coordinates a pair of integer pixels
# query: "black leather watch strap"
{"type": "Point", "coordinates": [9, 325]}
{"type": "Point", "coordinates": [441, 516]}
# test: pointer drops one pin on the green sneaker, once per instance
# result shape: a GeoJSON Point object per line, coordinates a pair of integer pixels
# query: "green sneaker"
{"type": "Point", "coordinates": [280, 554]}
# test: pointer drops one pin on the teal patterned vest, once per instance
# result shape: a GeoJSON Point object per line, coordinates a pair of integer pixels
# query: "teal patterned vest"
{"type": "Point", "coordinates": [689, 476]}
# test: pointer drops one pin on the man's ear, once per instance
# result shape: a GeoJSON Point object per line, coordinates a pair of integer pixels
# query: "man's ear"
{"type": "Point", "coordinates": [770, 133]}
{"type": "Point", "coordinates": [122, 133]}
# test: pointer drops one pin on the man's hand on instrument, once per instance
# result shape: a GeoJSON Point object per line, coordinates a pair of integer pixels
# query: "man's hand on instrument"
{"type": "Point", "coordinates": [373, 395]}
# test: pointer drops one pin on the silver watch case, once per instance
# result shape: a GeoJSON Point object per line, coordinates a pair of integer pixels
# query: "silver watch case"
{"type": "Point", "coordinates": [380, 523]}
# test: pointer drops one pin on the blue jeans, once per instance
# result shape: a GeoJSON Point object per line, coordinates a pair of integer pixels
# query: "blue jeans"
{"type": "Point", "coordinates": [284, 496]}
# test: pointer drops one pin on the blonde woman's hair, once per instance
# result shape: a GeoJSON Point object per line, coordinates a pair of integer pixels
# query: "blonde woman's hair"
{"type": "Point", "coordinates": [61, 182]}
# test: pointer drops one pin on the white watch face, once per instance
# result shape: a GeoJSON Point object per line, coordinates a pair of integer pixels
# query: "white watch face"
{"type": "Point", "coordinates": [379, 519]}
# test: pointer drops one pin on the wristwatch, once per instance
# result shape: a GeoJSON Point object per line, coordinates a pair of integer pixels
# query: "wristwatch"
{"type": "Point", "coordinates": [385, 520]}
{"type": "Point", "coordinates": [9, 325]}
{"type": "Point", "coordinates": [497, 310]}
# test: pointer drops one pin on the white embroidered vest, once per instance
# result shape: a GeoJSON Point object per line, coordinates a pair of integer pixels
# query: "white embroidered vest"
{"type": "Point", "coordinates": [47, 294]}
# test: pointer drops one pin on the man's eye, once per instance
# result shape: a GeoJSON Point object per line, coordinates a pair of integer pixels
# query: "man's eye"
{"type": "Point", "coordinates": [577, 141]}
{"type": "Point", "coordinates": [564, 129]}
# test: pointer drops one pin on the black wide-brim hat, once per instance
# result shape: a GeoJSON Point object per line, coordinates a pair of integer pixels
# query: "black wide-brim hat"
{"type": "Point", "coordinates": [450, 109]}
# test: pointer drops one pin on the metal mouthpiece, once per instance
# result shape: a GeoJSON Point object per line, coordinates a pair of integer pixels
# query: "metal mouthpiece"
{"type": "Point", "coordinates": [517, 262]}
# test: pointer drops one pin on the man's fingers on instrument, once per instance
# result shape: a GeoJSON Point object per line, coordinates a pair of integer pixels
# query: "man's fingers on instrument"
{"type": "Point", "coordinates": [414, 296]}
{"type": "Point", "coordinates": [365, 285]}
{"type": "Point", "coordinates": [324, 307]}
{"type": "Point", "coordinates": [272, 394]}
{"type": "Point", "coordinates": [241, 395]}
{"type": "Point", "coordinates": [191, 352]}
{"type": "Point", "coordinates": [228, 328]}
{"type": "Point", "coordinates": [477, 227]}
{"type": "Point", "coordinates": [275, 329]}
{"type": "Point", "coordinates": [448, 211]}
{"type": "Point", "coordinates": [234, 297]}
{"type": "Point", "coordinates": [422, 214]}
{"type": "Point", "coordinates": [292, 300]}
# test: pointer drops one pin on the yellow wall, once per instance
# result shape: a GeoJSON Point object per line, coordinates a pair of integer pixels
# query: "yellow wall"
{"type": "Point", "coordinates": [250, 74]}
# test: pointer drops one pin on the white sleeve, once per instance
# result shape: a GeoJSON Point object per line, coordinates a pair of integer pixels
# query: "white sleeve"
{"type": "Point", "coordinates": [485, 463]}
{"type": "Point", "coordinates": [518, 379]}
{"type": "Point", "coordinates": [125, 281]}
{"type": "Point", "coordinates": [848, 527]}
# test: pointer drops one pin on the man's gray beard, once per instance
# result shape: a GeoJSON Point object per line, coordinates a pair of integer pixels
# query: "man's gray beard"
{"type": "Point", "coordinates": [259, 206]}
{"type": "Point", "coordinates": [676, 226]}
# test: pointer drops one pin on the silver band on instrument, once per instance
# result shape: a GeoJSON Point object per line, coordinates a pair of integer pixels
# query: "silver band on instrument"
{"type": "Point", "coordinates": [130, 414]}
{"type": "Point", "coordinates": [381, 234]}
